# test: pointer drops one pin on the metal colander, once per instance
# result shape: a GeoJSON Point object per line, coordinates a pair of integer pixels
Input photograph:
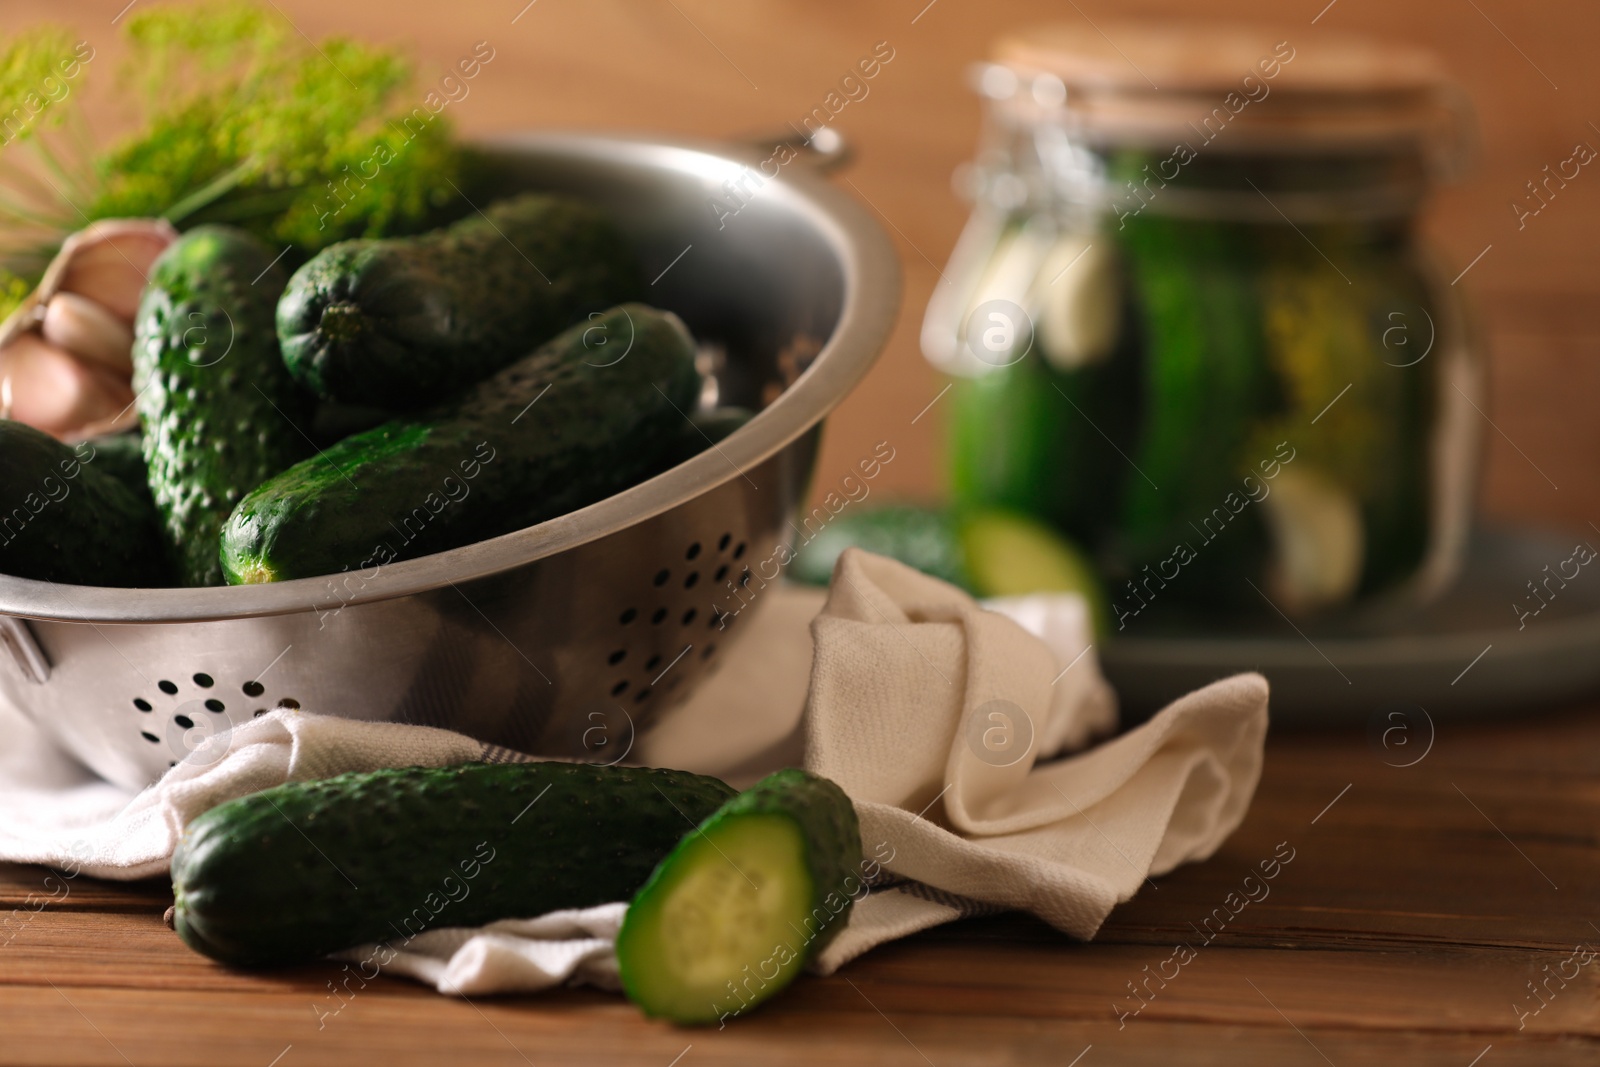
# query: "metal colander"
{"type": "Point", "coordinates": [564, 638]}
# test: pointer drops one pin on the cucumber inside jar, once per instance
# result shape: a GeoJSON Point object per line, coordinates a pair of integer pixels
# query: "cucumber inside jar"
{"type": "Point", "coordinates": [1042, 427]}
{"type": "Point", "coordinates": [1256, 426]}
{"type": "Point", "coordinates": [1244, 388]}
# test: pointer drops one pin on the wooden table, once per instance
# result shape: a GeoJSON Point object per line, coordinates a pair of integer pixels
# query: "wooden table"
{"type": "Point", "coordinates": [1421, 900]}
{"type": "Point", "coordinates": [1418, 904]}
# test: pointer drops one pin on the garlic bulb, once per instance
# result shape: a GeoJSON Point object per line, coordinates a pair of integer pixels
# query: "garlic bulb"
{"type": "Point", "coordinates": [66, 353]}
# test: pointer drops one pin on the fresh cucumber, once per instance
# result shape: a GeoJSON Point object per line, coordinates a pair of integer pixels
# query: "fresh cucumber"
{"type": "Point", "coordinates": [403, 322]}
{"type": "Point", "coordinates": [310, 868]}
{"type": "Point", "coordinates": [121, 455]}
{"type": "Point", "coordinates": [220, 413]}
{"type": "Point", "coordinates": [989, 552]}
{"type": "Point", "coordinates": [545, 436]}
{"type": "Point", "coordinates": [68, 520]}
{"type": "Point", "coordinates": [921, 537]}
{"type": "Point", "coordinates": [745, 900]}
{"type": "Point", "coordinates": [1013, 555]}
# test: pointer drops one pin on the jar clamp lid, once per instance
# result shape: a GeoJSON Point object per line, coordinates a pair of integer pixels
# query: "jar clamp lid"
{"type": "Point", "coordinates": [1148, 85]}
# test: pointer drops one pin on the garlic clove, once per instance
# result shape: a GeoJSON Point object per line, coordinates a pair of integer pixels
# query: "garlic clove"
{"type": "Point", "coordinates": [49, 389]}
{"type": "Point", "coordinates": [108, 262]}
{"type": "Point", "coordinates": [1318, 540]}
{"type": "Point", "coordinates": [89, 331]}
{"type": "Point", "coordinates": [1079, 301]}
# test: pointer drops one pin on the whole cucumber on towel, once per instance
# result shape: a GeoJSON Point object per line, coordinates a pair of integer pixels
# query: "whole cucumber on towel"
{"type": "Point", "coordinates": [566, 426]}
{"type": "Point", "coordinates": [404, 322]}
{"type": "Point", "coordinates": [744, 902]}
{"type": "Point", "coordinates": [220, 412]}
{"type": "Point", "coordinates": [310, 868]}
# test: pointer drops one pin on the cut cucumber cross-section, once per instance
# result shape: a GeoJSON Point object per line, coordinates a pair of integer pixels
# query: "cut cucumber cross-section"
{"type": "Point", "coordinates": [1008, 554]}
{"type": "Point", "coordinates": [745, 900]}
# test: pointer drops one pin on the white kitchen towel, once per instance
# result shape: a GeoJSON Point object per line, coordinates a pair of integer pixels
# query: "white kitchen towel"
{"type": "Point", "coordinates": [571, 947]}
{"type": "Point", "coordinates": [940, 719]}
{"type": "Point", "coordinates": [55, 813]}
{"type": "Point", "coordinates": [933, 713]}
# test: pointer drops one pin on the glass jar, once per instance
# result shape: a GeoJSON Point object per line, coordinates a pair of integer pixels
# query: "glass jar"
{"type": "Point", "coordinates": [1193, 327]}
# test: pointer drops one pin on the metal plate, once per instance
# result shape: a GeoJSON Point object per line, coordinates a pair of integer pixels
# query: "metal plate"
{"type": "Point", "coordinates": [1468, 654]}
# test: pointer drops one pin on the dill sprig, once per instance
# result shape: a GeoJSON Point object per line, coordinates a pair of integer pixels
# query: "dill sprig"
{"type": "Point", "coordinates": [243, 121]}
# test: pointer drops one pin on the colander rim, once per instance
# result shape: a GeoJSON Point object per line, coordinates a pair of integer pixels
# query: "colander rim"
{"type": "Point", "coordinates": [871, 276]}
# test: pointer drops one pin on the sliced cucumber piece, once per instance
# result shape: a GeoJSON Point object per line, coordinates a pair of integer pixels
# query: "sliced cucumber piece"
{"type": "Point", "coordinates": [1012, 555]}
{"type": "Point", "coordinates": [735, 912]}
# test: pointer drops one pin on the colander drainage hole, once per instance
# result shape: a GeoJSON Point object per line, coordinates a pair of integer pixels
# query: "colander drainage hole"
{"type": "Point", "coordinates": [738, 552]}
{"type": "Point", "coordinates": [689, 616]}
{"type": "Point", "coordinates": [694, 576]}
{"type": "Point", "coordinates": [628, 616]}
{"type": "Point", "coordinates": [722, 572]}
{"type": "Point", "coordinates": [617, 656]}
{"type": "Point", "coordinates": [694, 550]}
{"type": "Point", "coordinates": [183, 721]}
{"type": "Point", "coordinates": [643, 695]}
{"type": "Point", "coordinates": [169, 688]}
{"type": "Point", "coordinates": [150, 737]}
{"type": "Point", "coordinates": [722, 544]}
{"type": "Point", "coordinates": [660, 614]}
{"type": "Point", "coordinates": [652, 663]}
{"type": "Point", "coordinates": [288, 702]}
{"type": "Point", "coordinates": [204, 681]}
{"type": "Point", "coordinates": [216, 707]}
{"type": "Point", "coordinates": [662, 575]}
{"type": "Point", "coordinates": [253, 689]}
{"type": "Point", "coordinates": [141, 703]}
{"type": "Point", "coordinates": [707, 653]}
{"type": "Point", "coordinates": [620, 688]}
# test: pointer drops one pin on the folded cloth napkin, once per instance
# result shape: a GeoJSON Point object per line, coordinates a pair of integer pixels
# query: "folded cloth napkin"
{"type": "Point", "coordinates": [939, 718]}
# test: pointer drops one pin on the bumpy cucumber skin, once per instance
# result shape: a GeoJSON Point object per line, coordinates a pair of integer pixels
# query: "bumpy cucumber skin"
{"type": "Point", "coordinates": [827, 822]}
{"type": "Point", "coordinates": [310, 868]}
{"type": "Point", "coordinates": [220, 412]}
{"type": "Point", "coordinates": [928, 539]}
{"type": "Point", "coordinates": [402, 323]}
{"type": "Point", "coordinates": [506, 455]}
{"type": "Point", "coordinates": [64, 519]}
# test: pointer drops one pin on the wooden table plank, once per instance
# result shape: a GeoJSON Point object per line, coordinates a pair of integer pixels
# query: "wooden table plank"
{"type": "Point", "coordinates": [1418, 906]}
{"type": "Point", "coordinates": [1404, 929]}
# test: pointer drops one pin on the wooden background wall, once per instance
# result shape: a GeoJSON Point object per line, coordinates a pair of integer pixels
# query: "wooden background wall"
{"type": "Point", "coordinates": [716, 68]}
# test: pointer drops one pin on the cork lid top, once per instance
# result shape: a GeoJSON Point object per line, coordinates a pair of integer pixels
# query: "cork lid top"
{"type": "Point", "coordinates": [1130, 81]}
{"type": "Point", "coordinates": [1199, 57]}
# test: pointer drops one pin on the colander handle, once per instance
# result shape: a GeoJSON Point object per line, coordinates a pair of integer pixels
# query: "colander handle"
{"type": "Point", "coordinates": [30, 660]}
{"type": "Point", "coordinates": [825, 150]}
